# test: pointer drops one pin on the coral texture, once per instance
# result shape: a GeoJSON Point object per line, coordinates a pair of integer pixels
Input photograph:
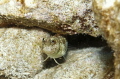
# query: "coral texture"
{"type": "Point", "coordinates": [107, 13]}
{"type": "Point", "coordinates": [21, 58]}
{"type": "Point", "coordinates": [20, 52]}
{"type": "Point", "coordinates": [20, 46]}
{"type": "Point", "coordinates": [58, 16]}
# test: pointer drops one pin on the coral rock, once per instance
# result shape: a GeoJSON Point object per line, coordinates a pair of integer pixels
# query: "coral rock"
{"type": "Point", "coordinates": [87, 63]}
{"type": "Point", "coordinates": [20, 52]}
{"type": "Point", "coordinates": [58, 16]}
{"type": "Point", "coordinates": [107, 13]}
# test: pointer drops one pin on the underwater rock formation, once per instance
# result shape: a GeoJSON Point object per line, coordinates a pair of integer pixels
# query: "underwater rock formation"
{"type": "Point", "coordinates": [21, 57]}
{"type": "Point", "coordinates": [20, 48]}
{"type": "Point", "coordinates": [20, 52]}
{"type": "Point", "coordinates": [107, 14]}
{"type": "Point", "coordinates": [58, 16]}
{"type": "Point", "coordinates": [86, 63]}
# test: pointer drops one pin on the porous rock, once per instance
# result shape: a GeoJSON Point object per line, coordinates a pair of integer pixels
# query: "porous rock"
{"type": "Point", "coordinates": [86, 63]}
{"type": "Point", "coordinates": [21, 58]}
{"type": "Point", "coordinates": [107, 14]}
{"type": "Point", "coordinates": [20, 52]}
{"type": "Point", "coordinates": [58, 16]}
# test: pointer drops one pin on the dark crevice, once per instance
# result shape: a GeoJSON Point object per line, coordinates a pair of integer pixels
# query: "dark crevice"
{"type": "Point", "coordinates": [78, 41]}
{"type": "Point", "coordinates": [84, 41]}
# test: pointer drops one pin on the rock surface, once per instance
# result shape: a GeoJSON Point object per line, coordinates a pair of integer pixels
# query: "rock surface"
{"type": "Point", "coordinates": [58, 16]}
{"type": "Point", "coordinates": [20, 52]}
{"type": "Point", "coordinates": [20, 47]}
{"type": "Point", "coordinates": [21, 57]}
{"type": "Point", "coordinates": [87, 63]}
{"type": "Point", "coordinates": [107, 13]}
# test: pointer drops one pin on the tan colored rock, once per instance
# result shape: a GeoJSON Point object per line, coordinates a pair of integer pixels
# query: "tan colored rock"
{"type": "Point", "coordinates": [21, 58]}
{"type": "Point", "coordinates": [87, 63]}
{"type": "Point", "coordinates": [58, 16]}
{"type": "Point", "coordinates": [107, 13]}
{"type": "Point", "coordinates": [20, 52]}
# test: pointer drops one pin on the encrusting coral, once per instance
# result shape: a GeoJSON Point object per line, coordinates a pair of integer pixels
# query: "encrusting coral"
{"type": "Point", "coordinates": [107, 14]}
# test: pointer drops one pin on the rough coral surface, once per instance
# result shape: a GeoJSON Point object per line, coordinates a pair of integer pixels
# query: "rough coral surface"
{"type": "Point", "coordinates": [20, 52]}
{"type": "Point", "coordinates": [21, 57]}
{"type": "Point", "coordinates": [58, 16]}
{"type": "Point", "coordinates": [107, 14]}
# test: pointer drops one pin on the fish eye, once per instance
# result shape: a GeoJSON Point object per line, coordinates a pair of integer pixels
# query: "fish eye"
{"type": "Point", "coordinates": [43, 39]}
{"type": "Point", "coordinates": [53, 41]}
